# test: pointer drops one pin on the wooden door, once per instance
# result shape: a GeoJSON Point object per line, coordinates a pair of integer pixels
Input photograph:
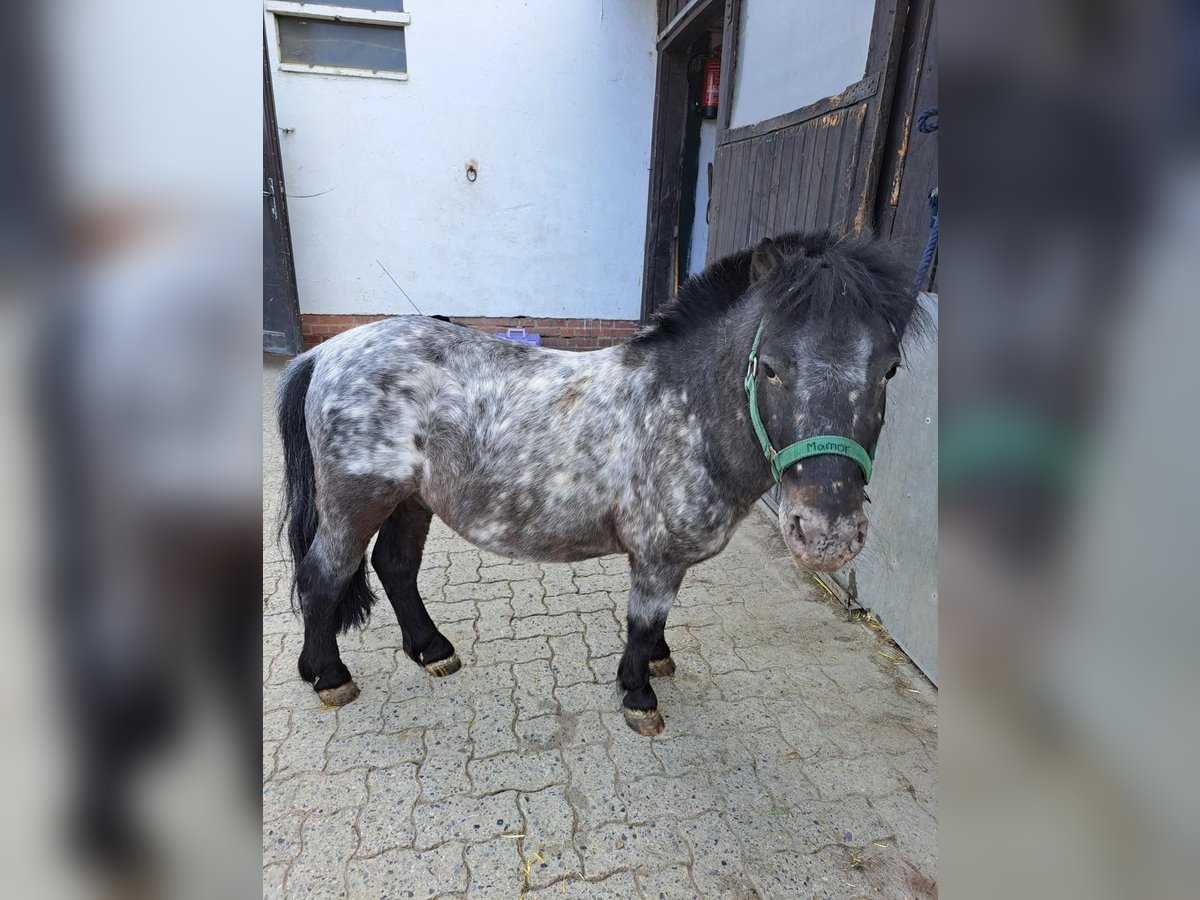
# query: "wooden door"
{"type": "Point", "coordinates": [910, 160]}
{"type": "Point", "coordinates": [812, 168]}
{"type": "Point", "coordinates": [281, 304]}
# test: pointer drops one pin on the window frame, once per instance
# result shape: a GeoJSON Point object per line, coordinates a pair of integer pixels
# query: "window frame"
{"type": "Point", "coordinates": [334, 13]}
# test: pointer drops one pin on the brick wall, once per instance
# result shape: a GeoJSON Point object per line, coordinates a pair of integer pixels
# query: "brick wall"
{"type": "Point", "coordinates": [564, 334]}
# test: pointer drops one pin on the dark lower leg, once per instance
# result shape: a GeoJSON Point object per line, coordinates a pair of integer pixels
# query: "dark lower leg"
{"type": "Point", "coordinates": [320, 663]}
{"type": "Point", "coordinates": [322, 579]}
{"type": "Point", "coordinates": [661, 650]}
{"type": "Point", "coordinates": [634, 669]}
{"type": "Point", "coordinates": [331, 579]}
{"type": "Point", "coordinates": [652, 590]}
{"type": "Point", "coordinates": [397, 560]}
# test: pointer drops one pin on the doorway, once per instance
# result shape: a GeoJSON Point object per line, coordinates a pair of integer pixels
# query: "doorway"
{"type": "Point", "coordinates": [684, 143]}
{"type": "Point", "coordinates": [281, 303]}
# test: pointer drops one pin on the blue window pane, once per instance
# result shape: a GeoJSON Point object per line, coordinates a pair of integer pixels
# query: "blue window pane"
{"type": "Point", "coordinates": [351, 45]}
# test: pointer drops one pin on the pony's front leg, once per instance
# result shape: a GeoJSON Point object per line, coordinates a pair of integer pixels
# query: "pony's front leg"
{"type": "Point", "coordinates": [652, 591]}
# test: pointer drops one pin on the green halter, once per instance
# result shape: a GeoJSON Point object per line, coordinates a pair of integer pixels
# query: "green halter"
{"type": "Point", "coordinates": [818, 445]}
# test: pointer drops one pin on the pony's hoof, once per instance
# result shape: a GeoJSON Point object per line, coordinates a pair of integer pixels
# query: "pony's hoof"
{"type": "Point", "coordinates": [660, 668]}
{"type": "Point", "coordinates": [340, 695]}
{"type": "Point", "coordinates": [444, 667]}
{"type": "Point", "coordinates": [646, 722]}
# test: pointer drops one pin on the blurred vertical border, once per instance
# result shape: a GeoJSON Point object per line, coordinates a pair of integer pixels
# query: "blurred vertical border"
{"type": "Point", "coordinates": [1070, 225]}
{"type": "Point", "coordinates": [130, 296]}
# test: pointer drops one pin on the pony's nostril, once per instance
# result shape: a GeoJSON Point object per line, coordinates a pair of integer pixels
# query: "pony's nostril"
{"type": "Point", "coordinates": [794, 527]}
{"type": "Point", "coordinates": [860, 538]}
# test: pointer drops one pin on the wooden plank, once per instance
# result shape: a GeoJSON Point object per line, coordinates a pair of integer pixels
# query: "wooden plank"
{"type": "Point", "coordinates": [831, 178]}
{"type": "Point", "coordinates": [720, 200]}
{"type": "Point", "coordinates": [725, 160]}
{"type": "Point", "coordinates": [790, 162]}
{"type": "Point", "coordinates": [729, 54]}
{"type": "Point", "coordinates": [909, 168]}
{"type": "Point", "coordinates": [745, 221]}
{"type": "Point", "coordinates": [772, 145]}
{"type": "Point", "coordinates": [734, 190]}
{"type": "Point", "coordinates": [717, 202]}
{"type": "Point", "coordinates": [911, 225]}
{"type": "Point", "coordinates": [855, 93]}
{"type": "Point", "coordinates": [828, 166]}
{"type": "Point", "coordinates": [780, 146]}
{"type": "Point", "coordinates": [742, 235]}
{"type": "Point", "coordinates": [282, 332]}
{"type": "Point", "coordinates": [672, 162]}
{"type": "Point", "coordinates": [888, 17]}
{"type": "Point", "coordinates": [760, 188]}
{"type": "Point", "coordinates": [854, 134]}
{"type": "Point", "coordinates": [900, 130]}
{"type": "Point", "coordinates": [664, 13]}
{"type": "Point", "coordinates": [820, 213]}
{"type": "Point", "coordinates": [787, 177]}
{"type": "Point", "coordinates": [816, 173]}
{"type": "Point", "coordinates": [887, 32]}
{"type": "Point", "coordinates": [650, 257]}
{"type": "Point", "coordinates": [783, 145]}
{"type": "Point", "coordinates": [851, 138]}
{"type": "Point", "coordinates": [670, 110]}
{"type": "Point", "coordinates": [735, 234]}
{"type": "Point", "coordinates": [688, 23]}
{"type": "Point", "coordinates": [794, 215]}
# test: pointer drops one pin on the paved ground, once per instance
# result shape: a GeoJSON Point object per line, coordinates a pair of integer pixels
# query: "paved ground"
{"type": "Point", "coordinates": [799, 757]}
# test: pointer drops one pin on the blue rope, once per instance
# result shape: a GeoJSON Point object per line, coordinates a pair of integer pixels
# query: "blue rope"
{"type": "Point", "coordinates": [926, 127]}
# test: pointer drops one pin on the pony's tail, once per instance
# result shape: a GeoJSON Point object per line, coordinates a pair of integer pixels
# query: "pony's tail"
{"type": "Point", "coordinates": [300, 492]}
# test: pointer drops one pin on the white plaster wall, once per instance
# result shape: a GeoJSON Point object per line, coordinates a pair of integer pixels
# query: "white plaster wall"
{"type": "Point", "coordinates": [553, 99]}
{"type": "Point", "coordinates": [794, 52]}
{"type": "Point", "coordinates": [706, 153]}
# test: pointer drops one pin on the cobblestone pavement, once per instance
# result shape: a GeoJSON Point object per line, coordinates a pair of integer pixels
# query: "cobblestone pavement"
{"type": "Point", "coordinates": [799, 757]}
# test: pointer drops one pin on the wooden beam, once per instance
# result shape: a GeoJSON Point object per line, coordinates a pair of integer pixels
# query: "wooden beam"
{"type": "Point", "coordinates": [901, 131]}
{"type": "Point", "coordinates": [854, 94]}
{"type": "Point", "coordinates": [883, 58]}
{"type": "Point", "coordinates": [729, 50]}
{"type": "Point", "coordinates": [687, 24]}
{"type": "Point", "coordinates": [666, 155]}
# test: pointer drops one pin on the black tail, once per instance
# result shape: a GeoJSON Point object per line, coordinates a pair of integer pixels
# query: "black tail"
{"type": "Point", "coordinates": [300, 491]}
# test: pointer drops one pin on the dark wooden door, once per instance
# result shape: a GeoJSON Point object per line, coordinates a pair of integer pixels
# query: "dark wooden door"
{"type": "Point", "coordinates": [910, 160]}
{"type": "Point", "coordinates": [281, 304]}
{"type": "Point", "coordinates": [812, 168]}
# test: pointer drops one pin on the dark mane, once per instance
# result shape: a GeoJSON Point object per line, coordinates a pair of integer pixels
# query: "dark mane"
{"type": "Point", "coordinates": [835, 275]}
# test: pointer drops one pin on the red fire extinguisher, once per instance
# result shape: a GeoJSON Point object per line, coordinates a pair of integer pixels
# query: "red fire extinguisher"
{"type": "Point", "coordinates": [712, 85]}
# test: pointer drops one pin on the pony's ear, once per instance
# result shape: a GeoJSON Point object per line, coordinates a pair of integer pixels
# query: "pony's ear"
{"type": "Point", "coordinates": [765, 260]}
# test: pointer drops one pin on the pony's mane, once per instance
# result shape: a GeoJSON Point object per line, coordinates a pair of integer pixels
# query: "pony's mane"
{"type": "Point", "coordinates": [837, 276]}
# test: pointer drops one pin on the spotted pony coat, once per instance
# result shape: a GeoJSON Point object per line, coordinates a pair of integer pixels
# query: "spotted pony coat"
{"type": "Point", "coordinates": [643, 449]}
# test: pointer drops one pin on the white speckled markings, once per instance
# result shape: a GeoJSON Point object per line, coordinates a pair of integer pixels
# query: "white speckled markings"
{"type": "Point", "coordinates": [798, 760]}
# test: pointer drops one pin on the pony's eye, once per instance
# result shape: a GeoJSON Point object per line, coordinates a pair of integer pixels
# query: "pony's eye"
{"type": "Point", "coordinates": [770, 373]}
{"type": "Point", "coordinates": [891, 373]}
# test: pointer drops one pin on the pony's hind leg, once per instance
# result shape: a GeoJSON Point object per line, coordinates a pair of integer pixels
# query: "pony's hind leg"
{"type": "Point", "coordinates": [332, 583]}
{"type": "Point", "coordinates": [397, 559]}
{"type": "Point", "coordinates": [323, 580]}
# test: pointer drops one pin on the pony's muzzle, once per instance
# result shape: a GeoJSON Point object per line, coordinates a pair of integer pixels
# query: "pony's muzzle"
{"type": "Point", "coordinates": [818, 540]}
